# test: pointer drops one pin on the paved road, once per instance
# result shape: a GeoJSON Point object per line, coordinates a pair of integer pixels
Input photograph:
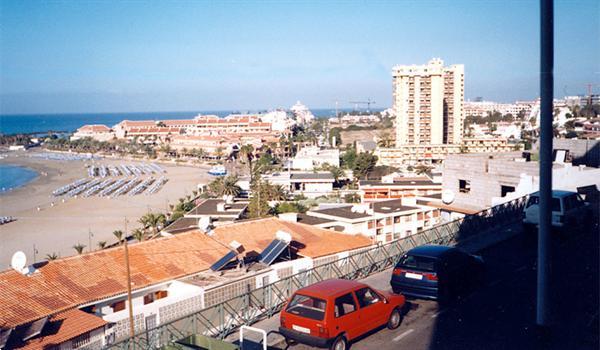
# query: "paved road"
{"type": "Point", "coordinates": [501, 314]}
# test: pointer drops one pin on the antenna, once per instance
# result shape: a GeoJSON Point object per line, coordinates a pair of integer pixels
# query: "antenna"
{"type": "Point", "coordinates": [18, 262]}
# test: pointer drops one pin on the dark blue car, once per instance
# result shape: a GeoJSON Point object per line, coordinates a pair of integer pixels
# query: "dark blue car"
{"type": "Point", "coordinates": [436, 272]}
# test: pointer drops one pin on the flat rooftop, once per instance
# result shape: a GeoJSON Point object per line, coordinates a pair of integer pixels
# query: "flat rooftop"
{"type": "Point", "coordinates": [211, 207]}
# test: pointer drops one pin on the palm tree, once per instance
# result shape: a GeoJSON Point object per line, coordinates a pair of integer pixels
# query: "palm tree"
{"type": "Point", "coordinates": [51, 256]}
{"type": "Point", "coordinates": [138, 234]}
{"type": "Point", "coordinates": [230, 186]}
{"type": "Point", "coordinates": [166, 149]}
{"type": "Point", "coordinates": [246, 155]}
{"type": "Point", "coordinates": [153, 221]}
{"type": "Point", "coordinates": [102, 244]}
{"type": "Point", "coordinates": [184, 152]}
{"type": "Point", "coordinates": [219, 152]}
{"type": "Point", "coordinates": [336, 172]}
{"type": "Point", "coordinates": [224, 186]}
{"type": "Point", "coordinates": [199, 153]}
{"type": "Point", "coordinates": [385, 139]}
{"type": "Point", "coordinates": [277, 193]}
{"type": "Point", "coordinates": [215, 186]}
{"type": "Point", "coordinates": [422, 169]}
{"type": "Point", "coordinates": [118, 234]}
{"type": "Point", "coordinates": [79, 248]}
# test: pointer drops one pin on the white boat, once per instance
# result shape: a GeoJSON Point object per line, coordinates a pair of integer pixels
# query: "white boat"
{"type": "Point", "coordinates": [218, 170]}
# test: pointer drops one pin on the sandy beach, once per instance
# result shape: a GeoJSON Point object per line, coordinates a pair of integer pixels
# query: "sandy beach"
{"type": "Point", "coordinates": [55, 229]}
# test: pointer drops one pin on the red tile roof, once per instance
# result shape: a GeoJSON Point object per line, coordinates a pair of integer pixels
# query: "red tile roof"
{"type": "Point", "coordinates": [257, 234]}
{"type": "Point", "coordinates": [62, 284]}
{"type": "Point", "coordinates": [62, 327]}
{"type": "Point", "coordinates": [94, 128]}
{"type": "Point", "coordinates": [65, 283]}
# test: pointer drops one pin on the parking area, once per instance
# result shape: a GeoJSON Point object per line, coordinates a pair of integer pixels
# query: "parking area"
{"type": "Point", "coordinates": [501, 313]}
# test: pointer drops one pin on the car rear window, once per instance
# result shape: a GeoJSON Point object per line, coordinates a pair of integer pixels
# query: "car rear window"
{"type": "Point", "coordinates": [309, 307]}
{"type": "Point", "coordinates": [418, 262]}
{"type": "Point", "coordinates": [536, 200]}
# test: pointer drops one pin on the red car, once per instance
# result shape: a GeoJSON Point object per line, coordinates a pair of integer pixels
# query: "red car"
{"type": "Point", "coordinates": [332, 313]}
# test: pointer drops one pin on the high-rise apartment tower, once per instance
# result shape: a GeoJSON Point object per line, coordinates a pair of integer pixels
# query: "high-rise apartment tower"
{"type": "Point", "coordinates": [428, 102]}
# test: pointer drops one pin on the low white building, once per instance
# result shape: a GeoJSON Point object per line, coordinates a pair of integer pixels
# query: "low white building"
{"type": "Point", "coordinates": [382, 221]}
{"type": "Point", "coordinates": [171, 277]}
{"type": "Point", "coordinates": [97, 132]}
{"type": "Point", "coordinates": [310, 157]}
{"type": "Point", "coordinates": [302, 113]}
{"type": "Point", "coordinates": [311, 185]}
{"type": "Point", "coordinates": [279, 120]}
{"type": "Point", "coordinates": [479, 181]}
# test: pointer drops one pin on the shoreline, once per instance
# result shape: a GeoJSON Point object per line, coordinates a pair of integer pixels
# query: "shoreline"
{"type": "Point", "coordinates": [47, 224]}
{"type": "Point", "coordinates": [4, 191]}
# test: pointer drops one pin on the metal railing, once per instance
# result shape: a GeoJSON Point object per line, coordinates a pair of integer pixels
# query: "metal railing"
{"type": "Point", "coordinates": [224, 318]}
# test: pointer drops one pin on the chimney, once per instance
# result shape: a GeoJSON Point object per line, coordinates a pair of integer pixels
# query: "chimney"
{"type": "Point", "coordinates": [290, 217]}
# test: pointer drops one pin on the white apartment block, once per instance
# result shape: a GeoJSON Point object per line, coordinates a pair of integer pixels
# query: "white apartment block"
{"type": "Point", "coordinates": [428, 102]}
{"type": "Point", "coordinates": [483, 108]}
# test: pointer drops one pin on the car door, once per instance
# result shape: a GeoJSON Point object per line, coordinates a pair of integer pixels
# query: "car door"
{"type": "Point", "coordinates": [452, 279]}
{"type": "Point", "coordinates": [372, 309]}
{"type": "Point", "coordinates": [347, 316]}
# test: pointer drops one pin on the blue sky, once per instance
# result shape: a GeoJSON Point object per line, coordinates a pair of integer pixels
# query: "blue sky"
{"type": "Point", "coordinates": [80, 56]}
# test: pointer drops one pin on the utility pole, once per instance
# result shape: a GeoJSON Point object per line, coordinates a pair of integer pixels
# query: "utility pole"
{"type": "Point", "coordinates": [129, 302]}
{"type": "Point", "coordinates": [546, 114]}
{"type": "Point", "coordinates": [90, 235]}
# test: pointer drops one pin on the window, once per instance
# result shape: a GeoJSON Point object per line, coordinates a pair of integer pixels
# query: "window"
{"type": "Point", "coordinates": [161, 294]}
{"type": "Point", "coordinates": [152, 297]}
{"type": "Point", "coordinates": [344, 305]}
{"type": "Point", "coordinates": [118, 306]}
{"type": "Point", "coordinates": [366, 297]}
{"type": "Point", "coordinates": [396, 219]}
{"type": "Point", "coordinates": [464, 186]}
{"type": "Point", "coordinates": [418, 262]}
{"type": "Point", "coordinates": [81, 340]}
{"type": "Point", "coordinates": [535, 200]}
{"type": "Point", "coordinates": [309, 307]}
{"type": "Point", "coordinates": [504, 190]}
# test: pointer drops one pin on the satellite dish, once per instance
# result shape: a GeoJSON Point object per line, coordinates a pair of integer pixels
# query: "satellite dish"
{"type": "Point", "coordinates": [447, 196]}
{"type": "Point", "coordinates": [18, 261]}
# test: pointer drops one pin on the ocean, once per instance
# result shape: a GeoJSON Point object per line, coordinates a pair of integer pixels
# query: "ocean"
{"type": "Point", "coordinates": [13, 176]}
{"type": "Point", "coordinates": [42, 123]}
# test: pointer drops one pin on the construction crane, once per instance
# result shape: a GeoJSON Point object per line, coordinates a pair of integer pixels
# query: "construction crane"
{"type": "Point", "coordinates": [368, 102]}
{"type": "Point", "coordinates": [590, 92]}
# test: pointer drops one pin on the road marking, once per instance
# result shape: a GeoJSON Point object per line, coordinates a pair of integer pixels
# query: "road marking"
{"type": "Point", "coordinates": [438, 313]}
{"type": "Point", "coordinates": [522, 268]}
{"type": "Point", "coordinates": [404, 334]}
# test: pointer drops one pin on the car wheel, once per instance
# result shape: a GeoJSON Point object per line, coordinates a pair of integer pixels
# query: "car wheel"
{"type": "Point", "coordinates": [340, 343]}
{"type": "Point", "coordinates": [290, 342]}
{"type": "Point", "coordinates": [395, 319]}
